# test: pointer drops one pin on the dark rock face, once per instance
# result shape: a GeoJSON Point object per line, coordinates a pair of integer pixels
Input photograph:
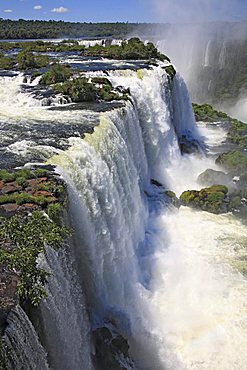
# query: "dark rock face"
{"type": "Point", "coordinates": [111, 349]}
{"type": "Point", "coordinates": [188, 145]}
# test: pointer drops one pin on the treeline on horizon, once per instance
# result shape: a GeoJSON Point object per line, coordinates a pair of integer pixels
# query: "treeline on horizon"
{"type": "Point", "coordinates": [37, 29]}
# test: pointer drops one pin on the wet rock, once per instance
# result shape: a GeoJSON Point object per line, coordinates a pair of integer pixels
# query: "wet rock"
{"type": "Point", "coordinates": [212, 177]}
{"type": "Point", "coordinates": [111, 349]}
{"type": "Point", "coordinates": [156, 183]}
{"type": "Point", "coordinates": [172, 198]}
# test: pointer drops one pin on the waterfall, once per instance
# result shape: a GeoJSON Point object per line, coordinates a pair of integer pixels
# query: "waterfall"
{"type": "Point", "coordinates": [167, 279]}
{"type": "Point", "coordinates": [107, 174]}
{"type": "Point", "coordinates": [63, 315]}
{"type": "Point", "coordinates": [207, 56]}
{"type": "Point", "coordinates": [21, 344]}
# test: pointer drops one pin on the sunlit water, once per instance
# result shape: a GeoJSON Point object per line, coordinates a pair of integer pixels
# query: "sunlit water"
{"type": "Point", "coordinates": [171, 279]}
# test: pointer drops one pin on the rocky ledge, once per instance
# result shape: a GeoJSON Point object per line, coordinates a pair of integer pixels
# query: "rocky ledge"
{"type": "Point", "coordinates": [31, 201]}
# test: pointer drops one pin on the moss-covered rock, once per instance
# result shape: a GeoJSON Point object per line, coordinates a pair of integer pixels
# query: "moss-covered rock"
{"type": "Point", "coordinates": [234, 161]}
{"type": "Point", "coordinates": [211, 199]}
{"type": "Point", "coordinates": [205, 112]}
{"type": "Point", "coordinates": [171, 71]}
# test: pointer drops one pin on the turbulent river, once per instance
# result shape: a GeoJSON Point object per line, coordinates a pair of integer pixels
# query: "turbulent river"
{"type": "Point", "coordinates": [169, 278]}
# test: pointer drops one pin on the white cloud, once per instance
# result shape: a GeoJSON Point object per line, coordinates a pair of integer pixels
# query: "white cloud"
{"type": "Point", "coordinates": [37, 7]}
{"type": "Point", "coordinates": [8, 10]}
{"type": "Point", "coordinates": [61, 9]}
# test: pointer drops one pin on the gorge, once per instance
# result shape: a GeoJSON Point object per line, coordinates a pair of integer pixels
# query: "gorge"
{"type": "Point", "coordinates": [141, 283]}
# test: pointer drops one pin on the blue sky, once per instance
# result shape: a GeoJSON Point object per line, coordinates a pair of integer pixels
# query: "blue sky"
{"type": "Point", "coordinates": [125, 10]}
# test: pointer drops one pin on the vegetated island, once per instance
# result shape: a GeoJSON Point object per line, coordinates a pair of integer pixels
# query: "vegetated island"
{"type": "Point", "coordinates": [62, 79]}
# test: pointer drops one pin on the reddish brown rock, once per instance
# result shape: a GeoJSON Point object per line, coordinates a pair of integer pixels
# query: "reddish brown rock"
{"type": "Point", "coordinates": [10, 187]}
{"type": "Point", "coordinates": [10, 207]}
{"type": "Point", "coordinates": [45, 193]}
{"type": "Point", "coordinates": [34, 182]}
{"type": "Point", "coordinates": [28, 206]}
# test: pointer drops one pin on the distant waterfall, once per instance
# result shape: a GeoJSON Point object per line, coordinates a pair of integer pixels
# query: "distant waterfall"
{"type": "Point", "coordinates": [22, 346]}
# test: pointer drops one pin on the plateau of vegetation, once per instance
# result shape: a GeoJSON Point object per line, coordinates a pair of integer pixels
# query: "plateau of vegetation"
{"type": "Point", "coordinates": [80, 88]}
{"type": "Point", "coordinates": [27, 228]}
{"type": "Point", "coordinates": [133, 49]}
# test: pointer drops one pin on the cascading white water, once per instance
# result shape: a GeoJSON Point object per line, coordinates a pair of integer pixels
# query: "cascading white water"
{"type": "Point", "coordinates": [169, 311]}
{"type": "Point", "coordinates": [22, 345]}
{"type": "Point", "coordinates": [11, 94]}
{"type": "Point", "coordinates": [63, 314]}
{"type": "Point", "coordinates": [168, 279]}
{"type": "Point", "coordinates": [207, 57]}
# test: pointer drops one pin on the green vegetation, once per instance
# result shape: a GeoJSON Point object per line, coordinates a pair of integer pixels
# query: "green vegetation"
{"type": "Point", "coordinates": [23, 173]}
{"type": "Point", "coordinates": [206, 112]}
{"type": "Point", "coordinates": [24, 60]}
{"type": "Point", "coordinates": [133, 49]}
{"type": "Point", "coordinates": [29, 237]}
{"type": "Point", "coordinates": [78, 90]}
{"type": "Point", "coordinates": [30, 29]}
{"type": "Point", "coordinates": [210, 199]}
{"type": "Point", "coordinates": [234, 161]}
{"type": "Point", "coordinates": [23, 198]}
{"type": "Point", "coordinates": [171, 71]}
{"type": "Point", "coordinates": [6, 62]}
{"type": "Point", "coordinates": [57, 73]}
{"type": "Point", "coordinates": [237, 133]}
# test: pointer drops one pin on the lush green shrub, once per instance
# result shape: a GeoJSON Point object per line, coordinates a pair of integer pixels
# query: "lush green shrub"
{"type": "Point", "coordinates": [57, 73]}
{"type": "Point", "coordinates": [6, 62]}
{"type": "Point", "coordinates": [25, 60]}
{"type": "Point", "coordinates": [79, 90]}
{"type": "Point", "coordinates": [29, 237]}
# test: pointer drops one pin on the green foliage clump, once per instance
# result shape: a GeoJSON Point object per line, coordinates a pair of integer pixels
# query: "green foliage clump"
{"type": "Point", "coordinates": [56, 74]}
{"type": "Point", "coordinates": [25, 60]}
{"type": "Point", "coordinates": [22, 174]}
{"type": "Point", "coordinates": [23, 198]}
{"type": "Point", "coordinates": [54, 211]}
{"type": "Point", "coordinates": [6, 62]}
{"type": "Point", "coordinates": [79, 90]}
{"type": "Point", "coordinates": [171, 71]}
{"type": "Point", "coordinates": [133, 49]}
{"type": "Point", "coordinates": [206, 112]}
{"type": "Point", "coordinates": [235, 161]}
{"type": "Point", "coordinates": [22, 181]}
{"type": "Point", "coordinates": [210, 199]}
{"type": "Point", "coordinates": [237, 133]}
{"type": "Point", "coordinates": [29, 237]}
